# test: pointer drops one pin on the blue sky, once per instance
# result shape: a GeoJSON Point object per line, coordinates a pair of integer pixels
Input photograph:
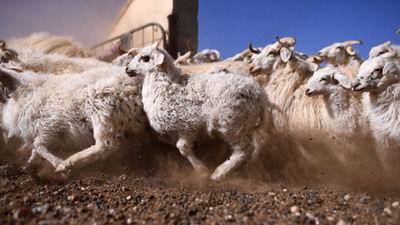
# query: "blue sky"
{"type": "Point", "coordinates": [228, 26]}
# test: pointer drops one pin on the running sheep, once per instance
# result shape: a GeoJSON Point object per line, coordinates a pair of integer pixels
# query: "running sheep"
{"type": "Point", "coordinates": [74, 111]}
{"type": "Point", "coordinates": [184, 107]}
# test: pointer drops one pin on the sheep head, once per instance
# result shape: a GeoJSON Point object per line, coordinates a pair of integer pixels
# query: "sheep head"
{"type": "Point", "coordinates": [338, 53]}
{"type": "Point", "coordinates": [148, 59]}
{"type": "Point", "coordinates": [6, 54]}
{"type": "Point", "coordinates": [185, 59]}
{"type": "Point", "coordinates": [8, 84]}
{"type": "Point", "coordinates": [271, 55]}
{"type": "Point", "coordinates": [379, 50]}
{"type": "Point", "coordinates": [325, 81]}
{"type": "Point", "coordinates": [376, 74]}
{"type": "Point", "coordinates": [125, 58]}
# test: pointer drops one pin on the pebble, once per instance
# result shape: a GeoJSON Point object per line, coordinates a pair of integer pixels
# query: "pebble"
{"type": "Point", "coordinates": [387, 211]}
{"type": "Point", "coordinates": [22, 213]}
{"type": "Point", "coordinates": [347, 197]}
{"type": "Point", "coordinates": [122, 177]}
{"type": "Point", "coordinates": [365, 200]}
{"type": "Point", "coordinates": [129, 198]}
{"type": "Point", "coordinates": [341, 222]}
{"type": "Point", "coordinates": [73, 198]}
{"type": "Point", "coordinates": [294, 209]}
{"type": "Point", "coordinates": [310, 216]}
{"type": "Point", "coordinates": [395, 204]}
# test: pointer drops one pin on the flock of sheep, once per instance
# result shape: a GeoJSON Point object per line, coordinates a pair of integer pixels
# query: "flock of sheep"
{"type": "Point", "coordinates": [54, 95]}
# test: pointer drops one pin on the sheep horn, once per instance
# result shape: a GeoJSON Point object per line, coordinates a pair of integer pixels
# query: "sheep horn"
{"type": "Point", "coordinates": [3, 46]}
{"type": "Point", "coordinates": [188, 46]}
{"type": "Point", "coordinates": [387, 43]}
{"type": "Point", "coordinates": [253, 50]}
{"type": "Point", "coordinates": [347, 43]}
{"type": "Point", "coordinates": [290, 40]}
{"type": "Point", "coordinates": [317, 60]}
{"type": "Point", "coordinates": [120, 51]}
{"type": "Point", "coordinates": [217, 53]}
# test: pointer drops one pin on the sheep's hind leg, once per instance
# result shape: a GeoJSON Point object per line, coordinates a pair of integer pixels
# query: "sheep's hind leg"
{"type": "Point", "coordinates": [185, 147]}
{"type": "Point", "coordinates": [241, 151]}
{"type": "Point", "coordinates": [42, 151]}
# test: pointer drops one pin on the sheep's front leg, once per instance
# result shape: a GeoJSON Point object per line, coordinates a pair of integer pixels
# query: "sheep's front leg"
{"type": "Point", "coordinates": [185, 147]}
{"type": "Point", "coordinates": [241, 151]}
{"type": "Point", "coordinates": [42, 150]}
{"type": "Point", "coordinates": [89, 155]}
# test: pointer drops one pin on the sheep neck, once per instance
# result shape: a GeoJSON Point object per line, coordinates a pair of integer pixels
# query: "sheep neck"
{"type": "Point", "coordinates": [337, 102]}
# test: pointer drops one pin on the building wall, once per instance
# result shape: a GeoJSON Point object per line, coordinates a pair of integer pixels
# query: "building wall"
{"type": "Point", "coordinates": [182, 13]}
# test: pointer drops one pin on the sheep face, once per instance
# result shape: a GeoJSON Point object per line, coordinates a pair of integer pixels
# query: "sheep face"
{"type": "Point", "coordinates": [126, 58]}
{"type": "Point", "coordinates": [325, 81]}
{"type": "Point", "coordinates": [6, 54]}
{"type": "Point", "coordinates": [376, 74]}
{"type": "Point", "coordinates": [148, 59]}
{"type": "Point", "coordinates": [379, 50]}
{"type": "Point", "coordinates": [269, 58]}
{"type": "Point", "coordinates": [338, 53]}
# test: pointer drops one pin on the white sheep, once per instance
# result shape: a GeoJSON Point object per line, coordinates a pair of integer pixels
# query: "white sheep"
{"type": "Point", "coordinates": [125, 57]}
{"type": "Point", "coordinates": [186, 107]}
{"type": "Point", "coordinates": [380, 77]}
{"type": "Point", "coordinates": [37, 61]}
{"type": "Point", "coordinates": [343, 57]}
{"type": "Point", "coordinates": [48, 112]}
{"type": "Point", "coordinates": [51, 45]}
{"type": "Point", "coordinates": [383, 48]}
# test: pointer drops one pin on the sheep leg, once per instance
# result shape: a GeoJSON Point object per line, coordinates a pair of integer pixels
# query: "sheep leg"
{"type": "Point", "coordinates": [241, 151]}
{"type": "Point", "coordinates": [185, 147]}
{"type": "Point", "coordinates": [88, 155]}
{"type": "Point", "coordinates": [44, 152]}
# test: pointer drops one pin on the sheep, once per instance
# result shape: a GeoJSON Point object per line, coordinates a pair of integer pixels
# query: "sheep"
{"type": "Point", "coordinates": [51, 45]}
{"type": "Point", "coordinates": [191, 57]}
{"type": "Point", "coordinates": [125, 57]}
{"type": "Point", "coordinates": [48, 112]}
{"type": "Point", "coordinates": [343, 57]}
{"type": "Point", "coordinates": [380, 77]}
{"type": "Point", "coordinates": [343, 116]}
{"type": "Point", "coordinates": [35, 60]}
{"type": "Point", "coordinates": [383, 48]}
{"type": "Point", "coordinates": [186, 107]}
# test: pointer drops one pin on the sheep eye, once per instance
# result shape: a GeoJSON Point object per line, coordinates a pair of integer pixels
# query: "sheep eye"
{"type": "Point", "coordinates": [272, 53]}
{"type": "Point", "coordinates": [378, 70]}
{"type": "Point", "coordinates": [380, 53]}
{"type": "Point", "coordinates": [323, 79]}
{"type": "Point", "coordinates": [145, 58]}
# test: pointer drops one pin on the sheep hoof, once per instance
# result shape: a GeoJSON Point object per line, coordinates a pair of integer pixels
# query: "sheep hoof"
{"type": "Point", "coordinates": [218, 176]}
{"type": "Point", "coordinates": [63, 167]}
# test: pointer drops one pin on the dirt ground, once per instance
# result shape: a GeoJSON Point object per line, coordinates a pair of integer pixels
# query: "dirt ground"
{"type": "Point", "coordinates": [153, 184]}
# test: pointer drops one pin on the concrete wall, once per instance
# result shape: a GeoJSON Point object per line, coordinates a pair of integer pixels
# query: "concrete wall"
{"type": "Point", "coordinates": [177, 17]}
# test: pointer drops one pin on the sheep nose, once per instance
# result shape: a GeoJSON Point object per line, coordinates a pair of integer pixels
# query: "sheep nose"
{"type": "Point", "coordinates": [130, 72]}
{"type": "Point", "coordinates": [308, 90]}
{"type": "Point", "coordinates": [355, 83]}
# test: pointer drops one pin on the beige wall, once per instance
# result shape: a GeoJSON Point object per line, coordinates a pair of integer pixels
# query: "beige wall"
{"type": "Point", "coordinates": [139, 12]}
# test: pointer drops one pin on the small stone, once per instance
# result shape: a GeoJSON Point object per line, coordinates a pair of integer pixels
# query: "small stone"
{"type": "Point", "coordinates": [395, 204]}
{"type": "Point", "coordinates": [310, 216]}
{"type": "Point", "coordinates": [387, 211]}
{"type": "Point", "coordinates": [83, 188]}
{"type": "Point", "coordinates": [347, 197]}
{"type": "Point", "coordinates": [129, 221]}
{"type": "Point", "coordinates": [341, 222]}
{"type": "Point", "coordinates": [245, 219]}
{"type": "Point", "coordinates": [271, 194]}
{"type": "Point", "coordinates": [229, 218]}
{"type": "Point", "coordinates": [285, 190]}
{"type": "Point", "coordinates": [129, 198]}
{"type": "Point", "coordinates": [73, 198]}
{"type": "Point", "coordinates": [365, 200]}
{"type": "Point", "coordinates": [330, 218]}
{"type": "Point", "coordinates": [294, 209]}
{"type": "Point", "coordinates": [122, 177]}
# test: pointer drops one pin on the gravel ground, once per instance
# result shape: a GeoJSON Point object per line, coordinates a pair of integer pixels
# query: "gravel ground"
{"type": "Point", "coordinates": [160, 187]}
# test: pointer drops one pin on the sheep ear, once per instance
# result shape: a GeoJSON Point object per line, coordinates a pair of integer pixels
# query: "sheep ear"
{"type": "Point", "coordinates": [314, 67]}
{"type": "Point", "coordinates": [285, 54]}
{"type": "Point", "coordinates": [8, 55]}
{"type": "Point", "coordinates": [158, 57]}
{"type": "Point", "coordinates": [350, 50]}
{"type": "Point", "coordinates": [342, 80]}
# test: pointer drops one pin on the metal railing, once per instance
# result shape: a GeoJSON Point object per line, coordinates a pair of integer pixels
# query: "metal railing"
{"type": "Point", "coordinates": [128, 39]}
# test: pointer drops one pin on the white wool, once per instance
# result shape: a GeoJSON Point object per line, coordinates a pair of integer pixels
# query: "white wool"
{"type": "Point", "coordinates": [93, 108]}
{"type": "Point", "coordinates": [186, 107]}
